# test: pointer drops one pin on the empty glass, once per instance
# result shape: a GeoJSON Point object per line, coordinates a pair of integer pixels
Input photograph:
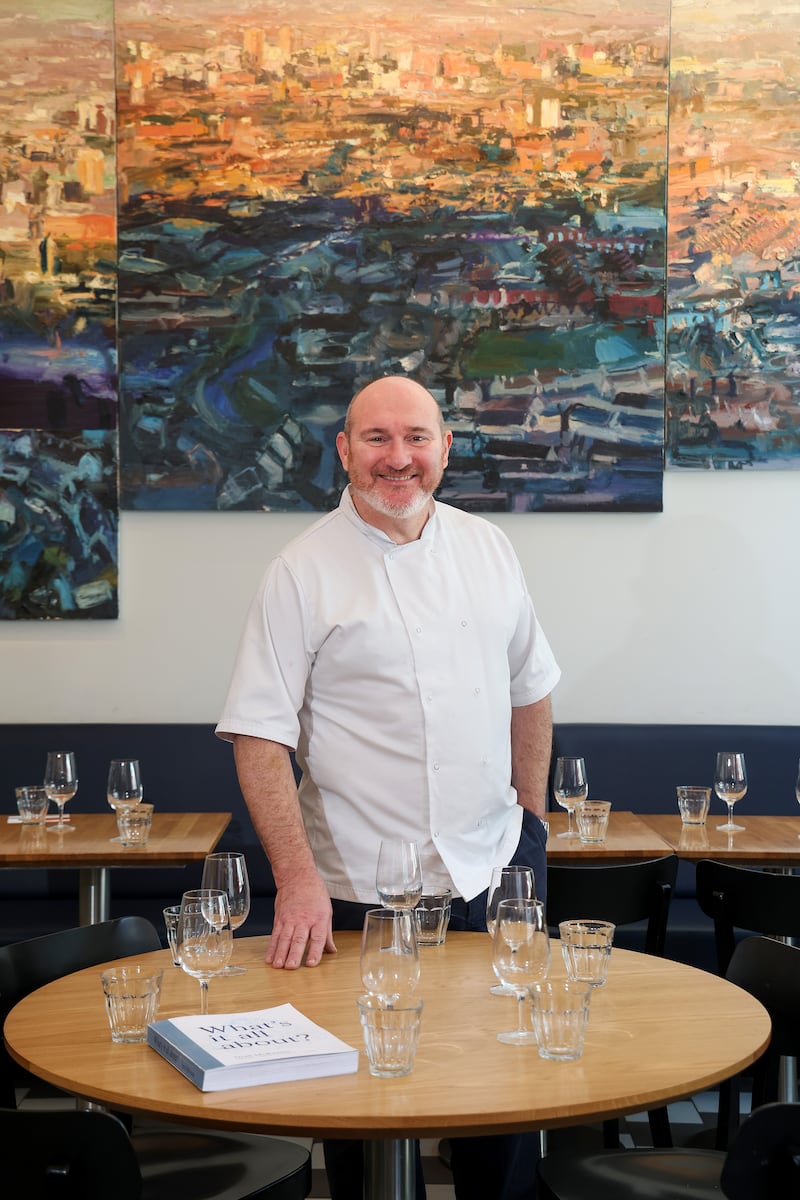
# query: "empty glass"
{"type": "Point", "coordinates": [32, 805]}
{"type": "Point", "coordinates": [171, 916]}
{"type": "Point", "coordinates": [431, 917]}
{"type": "Point", "coordinates": [204, 937]}
{"type": "Point", "coordinates": [520, 956]}
{"type": "Point", "coordinates": [693, 804]}
{"type": "Point", "coordinates": [593, 818]}
{"type": "Point", "coordinates": [124, 785]}
{"type": "Point", "coordinates": [507, 883]}
{"type": "Point", "coordinates": [730, 784]}
{"type": "Point", "coordinates": [61, 783]}
{"type": "Point", "coordinates": [398, 875]}
{"type": "Point", "coordinates": [586, 949]}
{"type": "Point", "coordinates": [570, 787]}
{"type": "Point", "coordinates": [389, 954]}
{"type": "Point", "coordinates": [560, 1016]}
{"type": "Point", "coordinates": [134, 825]}
{"type": "Point", "coordinates": [227, 871]}
{"type": "Point", "coordinates": [132, 993]}
{"type": "Point", "coordinates": [391, 1034]}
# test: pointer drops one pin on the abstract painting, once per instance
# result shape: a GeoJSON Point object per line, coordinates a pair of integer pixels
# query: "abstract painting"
{"type": "Point", "coordinates": [469, 193]}
{"type": "Point", "coordinates": [733, 382]}
{"type": "Point", "coordinates": [58, 398]}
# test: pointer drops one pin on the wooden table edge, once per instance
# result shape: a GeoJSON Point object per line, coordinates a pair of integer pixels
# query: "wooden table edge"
{"type": "Point", "coordinates": [376, 1128]}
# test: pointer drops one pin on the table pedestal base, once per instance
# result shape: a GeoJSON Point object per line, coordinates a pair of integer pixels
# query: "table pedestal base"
{"type": "Point", "coordinates": [94, 895]}
{"type": "Point", "coordinates": [390, 1169]}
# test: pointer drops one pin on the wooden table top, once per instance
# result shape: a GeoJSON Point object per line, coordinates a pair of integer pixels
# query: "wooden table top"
{"type": "Point", "coordinates": [175, 839]}
{"type": "Point", "coordinates": [629, 837]}
{"type": "Point", "coordinates": [765, 839]}
{"type": "Point", "coordinates": [657, 1031]}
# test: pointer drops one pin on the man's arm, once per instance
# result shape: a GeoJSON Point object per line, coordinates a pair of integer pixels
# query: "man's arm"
{"type": "Point", "coordinates": [531, 744]}
{"type": "Point", "coordinates": [302, 904]}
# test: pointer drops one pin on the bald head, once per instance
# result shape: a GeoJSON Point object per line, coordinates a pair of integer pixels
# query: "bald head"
{"type": "Point", "coordinates": [394, 449]}
{"type": "Point", "coordinates": [394, 390]}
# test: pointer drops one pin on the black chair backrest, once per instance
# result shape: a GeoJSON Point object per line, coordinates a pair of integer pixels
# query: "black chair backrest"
{"type": "Point", "coordinates": [763, 1162]}
{"type": "Point", "coordinates": [770, 971]}
{"type": "Point", "coordinates": [26, 966]}
{"type": "Point", "coordinates": [624, 893]}
{"type": "Point", "coordinates": [67, 1154]}
{"type": "Point", "coordinates": [744, 898]}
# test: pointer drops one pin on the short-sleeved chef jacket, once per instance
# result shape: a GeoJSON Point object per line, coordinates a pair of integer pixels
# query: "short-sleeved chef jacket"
{"type": "Point", "coordinates": [391, 670]}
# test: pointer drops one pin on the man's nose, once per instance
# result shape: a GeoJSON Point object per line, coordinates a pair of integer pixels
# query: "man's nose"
{"type": "Point", "coordinates": [397, 453]}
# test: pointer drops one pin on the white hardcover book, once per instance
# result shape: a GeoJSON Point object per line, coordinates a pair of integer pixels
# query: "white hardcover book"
{"type": "Point", "coordinates": [241, 1049]}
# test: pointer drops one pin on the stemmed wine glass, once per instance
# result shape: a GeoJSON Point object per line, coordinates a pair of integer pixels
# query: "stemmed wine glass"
{"type": "Point", "coordinates": [389, 954]}
{"type": "Point", "coordinates": [227, 872]}
{"type": "Point", "coordinates": [520, 956]}
{"type": "Point", "coordinates": [60, 783]}
{"type": "Point", "coordinates": [204, 939]}
{"type": "Point", "coordinates": [570, 788]}
{"type": "Point", "coordinates": [124, 785]}
{"type": "Point", "coordinates": [398, 879]}
{"type": "Point", "coordinates": [508, 883]}
{"type": "Point", "coordinates": [797, 786]}
{"type": "Point", "coordinates": [730, 784]}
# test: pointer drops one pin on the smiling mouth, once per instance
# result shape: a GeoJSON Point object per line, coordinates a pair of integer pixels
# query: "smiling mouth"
{"type": "Point", "coordinates": [397, 478]}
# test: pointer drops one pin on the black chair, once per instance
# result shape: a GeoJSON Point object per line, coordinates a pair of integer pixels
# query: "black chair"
{"type": "Point", "coordinates": [87, 1155]}
{"type": "Point", "coordinates": [770, 971]}
{"type": "Point", "coordinates": [168, 1159]}
{"type": "Point", "coordinates": [27, 965]}
{"type": "Point", "coordinates": [745, 898]}
{"type": "Point", "coordinates": [764, 1161]}
{"type": "Point", "coordinates": [762, 1164]}
{"type": "Point", "coordinates": [626, 894]}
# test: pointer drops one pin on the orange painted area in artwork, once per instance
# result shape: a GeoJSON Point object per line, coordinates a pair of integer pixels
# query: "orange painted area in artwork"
{"type": "Point", "coordinates": [85, 228]}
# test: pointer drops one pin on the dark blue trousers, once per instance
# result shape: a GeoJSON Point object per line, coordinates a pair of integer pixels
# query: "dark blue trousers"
{"type": "Point", "coordinates": [492, 1167]}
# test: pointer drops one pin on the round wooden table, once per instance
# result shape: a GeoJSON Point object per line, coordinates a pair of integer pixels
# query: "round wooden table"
{"type": "Point", "coordinates": [659, 1030]}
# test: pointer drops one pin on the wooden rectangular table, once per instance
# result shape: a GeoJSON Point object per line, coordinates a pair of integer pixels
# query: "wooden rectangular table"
{"type": "Point", "coordinates": [765, 841]}
{"type": "Point", "coordinates": [176, 838]}
{"type": "Point", "coordinates": [637, 1054]}
{"type": "Point", "coordinates": [629, 837]}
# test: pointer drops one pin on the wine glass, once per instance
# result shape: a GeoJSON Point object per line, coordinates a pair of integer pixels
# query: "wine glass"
{"type": "Point", "coordinates": [124, 785]}
{"type": "Point", "coordinates": [507, 883]}
{"type": "Point", "coordinates": [520, 956]}
{"type": "Point", "coordinates": [227, 872]}
{"type": "Point", "coordinates": [730, 784]}
{"type": "Point", "coordinates": [570, 788]}
{"type": "Point", "coordinates": [389, 954]}
{"type": "Point", "coordinates": [60, 783]}
{"type": "Point", "coordinates": [398, 878]}
{"type": "Point", "coordinates": [204, 940]}
{"type": "Point", "coordinates": [797, 786]}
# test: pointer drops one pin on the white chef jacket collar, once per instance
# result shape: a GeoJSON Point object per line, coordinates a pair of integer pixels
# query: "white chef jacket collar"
{"type": "Point", "coordinates": [377, 535]}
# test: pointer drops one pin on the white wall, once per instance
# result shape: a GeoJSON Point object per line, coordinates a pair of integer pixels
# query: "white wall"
{"type": "Point", "coordinates": [689, 615]}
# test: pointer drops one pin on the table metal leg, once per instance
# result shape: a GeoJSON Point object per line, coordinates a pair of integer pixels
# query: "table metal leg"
{"type": "Point", "coordinates": [787, 1080]}
{"type": "Point", "coordinates": [94, 896]}
{"type": "Point", "coordinates": [390, 1169]}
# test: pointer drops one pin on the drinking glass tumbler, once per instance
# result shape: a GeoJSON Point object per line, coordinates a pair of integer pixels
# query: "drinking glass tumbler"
{"type": "Point", "coordinates": [391, 1034]}
{"type": "Point", "coordinates": [32, 805]}
{"type": "Point", "coordinates": [693, 804]}
{"type": "Point", "coordinates": [593, 821]}
{"type": "Point", "coordinates": [586, 949]}
{"type": "Point", "coordinates": [132, 994]}
{"type": "Point", "coordinates": [560, 1010]}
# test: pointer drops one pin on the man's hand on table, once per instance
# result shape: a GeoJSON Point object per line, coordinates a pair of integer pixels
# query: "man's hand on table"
{"type": "Point", "coordinates": [302, 920]}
